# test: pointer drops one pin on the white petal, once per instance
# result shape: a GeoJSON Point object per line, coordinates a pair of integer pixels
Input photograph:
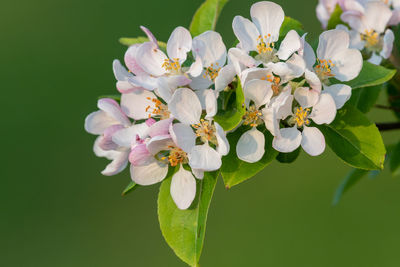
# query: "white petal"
{"type": "Point", "coordinates": [246, 32]}
{"type": "Point", "coordinates": [258, 91]}
{"type": "Point", "coordinates": [119, 158]}
{"type": "Point", "coordinates": [225, 76]}
{"type": "Point", "coordinates": [179, 44]}
{"type": "Point", "coordinates": [293, 68]}
{"type": "Point", "coordinates": [183, 188]}
{"type": "Point", "coordinates": [331, 43]}
{"type": "Point", "coordinates": [201, 94]}
{"type": "Point", "coordinates": [112, 108]}
{"type": "Point", "coordinates": [270, 120]}
{"type": "Point", "coordinates": [377, 15]}
{"type": "Point", "coordinates": [255, 74]}
{"type": "Point", "coordinates": [325, 110]}
{"type": "Point", "coordinates": [289, 45]}
{"type": "Point", "coordinates": [145, 81]}
{"type": "Point", "coordinates": [185, 106]}
{"type": "Point", "coordinates": [120, 73]}
{"type": "Point", "coordinates": [395, 18]}
{"type": "Point", "coordinates": [97, 122]}
{"type": "Point", "coordinates": [250, 147]}
{"type": "Point", "coordinates": [313, 80]}
{"type": "Point", "coordinates": [288, 140]}
{"type": "Point", "coordinates": [149, 35]}
{"type": "Point", "coordinates": [205, 158]}
{"type": "Point", "coordinates": [375, 59]}
{"type": "Point", "coordinates": [388, 40]}
{"type": "Point", "coordinates": [167, 85]}
{"type": "Point", "coordinates": [183, 136]}
{"type": "Point", "coordinates": [126, 137]}
{"type": "Point", "coordinates": [149, 174]}
{"type": "Point", "coordinates": [130, 60]}
{"type": "Point", "coordinates": [211, 49]}
{"type": "Point", "coordinates": [138, 104]}
{"type": "Point", "coordinates": [348, 64]}
{"type": "Point", "coordinates": [283, 103]}
{"type": "Point", "coordinates": [341, 93]}
{"type": "Point", "coordinates": [237, 56]}
{"type": "Point", "coordinates": [268, 18]}
{"type": "Point", "coordinates": [125, 87]}
{"type": "Point", "coordinates": [223, 144]}
{"type": "Point", "coordinates": [313, 141]}
{"type": "Point", "coordinates": [160, 127]}
{"type": "Point", "coordinates": [199, 174]}
{"type": "Point", "coordinates": [211, 104]}
{"type": "Point", "coordinates": [196, 68]}
{"type": "Point", "coordinates": [201, 82]}
{"type": "Point", "coordinates": [159, 143]}
{"type": "Point", "coordinates": [151, 59]}
{"type": "Point", "coordinates": [306, 97]}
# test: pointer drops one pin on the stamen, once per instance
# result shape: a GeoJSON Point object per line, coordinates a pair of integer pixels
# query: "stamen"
{"type": "Point", "coordinates": [252, 117]}
{"type": "Point", "coordinates": [264, 46]}
{"type": "Point", "coordinates": [159, 110]}
{"type": "Point", "coordinates": [372, 39]}
{"type": "Point", "coordinates": [206, 131]}
{"type": "Point", "coordinates": [301, 116]}
{"type": "Point", "coordinates": [172, 65]}
{"type": "Point", "coordinates": [212, 72]}
{"type": "Point", "coordinates": [275, 80]}
{"type": "Point", "coordinates": [324, 69]}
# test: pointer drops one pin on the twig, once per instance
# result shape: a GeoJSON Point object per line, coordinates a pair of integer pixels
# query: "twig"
{"type": "Point", "coordinates": [387, 107]}
{"type": "Point", "coordinates": [388, 126]}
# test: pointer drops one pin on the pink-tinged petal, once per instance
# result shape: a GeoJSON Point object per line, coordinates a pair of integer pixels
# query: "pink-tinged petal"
{"type": "Point", "coordinates": [246, 32]}
{"type": "Point", "coordinates": [340, 93]}
{"type": "Point", "coordinates": [151, 59]}
{"type": "Point", "coordinates": [205, 158]}
{"type": "Point", "coordinates": [140, 156]}
{"type": "Point", "coordinates": [120, 73]}
{"type": "Point", "coordinates": [323, 14]}
{"type": "Point", "coordinates": [313, 80]}
{"type": "Point", "coordinates": [313, 141]}
{"type": "Point", "coordinates": [225, 76]}
{"type": "Point", "coordinates": [119, 159]}
{"type": "Point", "coordinates": [183, 188]}
{"type": "Point", "coordinates": [388, 40]}
{"type": "Point", "coordinates": [179, 44]}
{"type": "Point", "coordinates": [130, 60]}
{"type": "Point", "coordinates": [210, 48]}
{"type": "Point", "coordinates": [377, 15]}
{"type": "Point", "coordinates": [395, 18]}
{"type": "Point", "coordinates": [223, 144]}
{"type": "Point", "coordinates": [257, 91]}
{"type": "Point", "coordinates": [250, 147]}
{"type": "Point", "coordinates": [106, 143]}
{"type": "Point", "coordinates": [238, 55]}
{"type": "Point", "coordinates": [127, 136]}
{"type": "Point", "coordinates": [159, 143]}
{"type": "Point", "coordinates": [348, 64]}
{"type": "Point", "coordinates": [288, 140]}
{"type": "Point", "coordinates": [97, 122]}
{"type": "Point", "coordinates": [160, 128]}
{"type": "Point", "coordinates": [144, 81]}
{"type": "Point", "coordinates": [211, 104]}
{"type": "Point", "coordinates": [185, 106]}
{"type": "Point", "coordinates": [149, 35]}
{"type": "Point", "coordinates": [352, 5]}
{"type": "Point", "coordinates": [139, 104]}
{"type": "Point", "coordinates": [149, 174]}
{"type": "Point", "coordinates": [268, 17]}
{"type": "Point", "coordinates": [306, 97]}
{"type": "Point", "coordinates": [355, 20]}
{"type": "Point", "coordinates": [196, 68]}
{"type": "Point", "coordinates": [150, 122]}
{"type": "Point", "coordinates": [325, 110]}
{"type": "Point", "coordinates": [289, 45]}
{"type": "Point", "coordinates": [126, 87]}
{"type": "Point", "coordinates": [112, 108]}
{"type": "Point", "coordinates": [183, 136]}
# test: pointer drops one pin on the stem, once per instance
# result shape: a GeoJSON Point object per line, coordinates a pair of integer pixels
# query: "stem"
{"type": "Point", "coordinates": [388, 126]}
{"type": "Point", "coordinates": [386, 107]}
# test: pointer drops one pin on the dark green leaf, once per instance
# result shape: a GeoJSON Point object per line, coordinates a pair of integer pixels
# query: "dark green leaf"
{"type": "Point", "coordinates": [206, 16]}
{"type": "Point", "coordinates": [371, 75]}
{"type": "Point", "coordinates": [184, 229]}
{"type": "Point", "coordinates": [394, 98]}
{"type": "Point", "coordinates": [115, 97]}
{"type": "Point", "coordinates": [355, 139]}
{"type": "Point", "coordinates": [288, 157]}
{"type": "Point", "coordinates": [232, 116]}
{"type": "Point", "coordinates": [351, 179]}
{"type": "Point", "coordinates": [335, 18]}
{"type": "Point", "coordinates": [130, 188]}
{"type": "Point", "coordinates": [365, 98]}
{"type": "Point", "coordinates": [233, 170]}
{"type": "Point", "coordinates": [138, 40]}
{"type": "Point", "coordinates": [290, 24]}
{"type": "Point", "coordinates": [395, 160]}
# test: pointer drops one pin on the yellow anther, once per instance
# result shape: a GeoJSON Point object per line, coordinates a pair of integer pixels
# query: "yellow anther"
{"type": "Point", "coordinates": [301, 116]}
{"type": "Point", "coordinates": [263, 45]}
{"type": "Point", "coordinates": [324, 69]}
{"type": "Point", "coordinates": [253, 117]}
{"type": "Point", "coordinates": [212, 72]}
{"type": "Point", "coordinates": [372, 40]}
{"type": "Point", "coordinates": [172, 65]}
{"type": "Point", "coordinates": [159, 110]}
{"type": "Point", "coordinates": [206, 131]}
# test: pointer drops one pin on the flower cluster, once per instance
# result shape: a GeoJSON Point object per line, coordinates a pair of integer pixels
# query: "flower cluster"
{"type": "Point", "coordinates": [170, 96]}
{"type": "Point", "coordinates": [367, 23]}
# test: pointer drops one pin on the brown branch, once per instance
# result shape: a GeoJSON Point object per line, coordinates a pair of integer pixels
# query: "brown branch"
{"type": "Point", "coordinates": [387, 107]}
{"type": "Point", "coordinates": [387, 126]}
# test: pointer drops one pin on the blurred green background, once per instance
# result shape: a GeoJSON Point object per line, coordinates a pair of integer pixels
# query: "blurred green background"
{"type": "Point", "coordinates": [58, 210]}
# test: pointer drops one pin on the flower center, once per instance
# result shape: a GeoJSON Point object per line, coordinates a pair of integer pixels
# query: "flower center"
{"type": "Point", "coordinates": [159, 110]}
{"type": "Point", "coordinates": [301, 116]}
{"type": "Point", "coordinates": [176, 156]}
{"type": "Point", "coordinates": [324, 69]}
{"type": "Point", "coordinates": [372, 40]}
{"type": "Point", "coordinates": [206, 131]}
{"type": "Point", "coordinates": [172, 65]}
{"type": "Point", "coordinates": [252, 117]}
{"type": "Point", "coordinates": [212, 72]}
{"type": "Point", "coordinates": [263, 46]}
{"type": "Point", "coordinates": [275, 83]}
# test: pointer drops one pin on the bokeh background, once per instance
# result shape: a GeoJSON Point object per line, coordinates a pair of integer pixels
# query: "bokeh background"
{"type": "Point", "coordinates": [58, 210]}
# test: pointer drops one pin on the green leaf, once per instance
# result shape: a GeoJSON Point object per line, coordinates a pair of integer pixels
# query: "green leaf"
{"type": "Point", "coordinates": [115, 97]}
{"type": "Point", "coordinates": [371, 75]}
{"type": "Point", "coordinates": [232, 116]}
{"type": "Point", "coordinates": [130, 188]}
{"type": "Point", "coordinates": [288, 157]}
{"type": "Point", "coordinates": [355, 139]}
{"type": "Point", "coordinates": [365, 98]}
{"type": "Point", "coordinates": [395, 160]}
{"type": "Point", "coordinates": [206, 16]}
{"type": "Point", "coordinates": [184, 230]}
{"type": "Point", "coordinates": [290, 24]}
{"type": "Point", "coordinates": [351, 179]}
{"type": "Point", "coordinates": [394, 98]}
{"type": "Point", "coordinates": [233, 170]}
{"type": "Point", "coordinates": [139, 40]}
{"type": "Point", "coordinates": [335, 18]}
